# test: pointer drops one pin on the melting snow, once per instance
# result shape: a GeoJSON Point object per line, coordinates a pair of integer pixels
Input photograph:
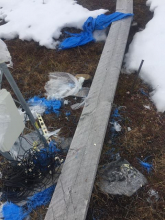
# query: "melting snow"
{"type": "Point", "coordinates": [149, 45]}
{"type": "Point", "coordinates": [41, 20]}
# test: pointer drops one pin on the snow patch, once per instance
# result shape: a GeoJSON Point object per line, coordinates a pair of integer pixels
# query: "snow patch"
{"type": "Point", "coordinates": [42, 20]}
{"type": "Point", "coordinates": [149, 45]}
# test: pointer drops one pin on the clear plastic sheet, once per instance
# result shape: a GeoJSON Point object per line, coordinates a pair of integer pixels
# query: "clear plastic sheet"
{"type": "Point", "coordinates": [61, 85]}
{"type": "Point", "coordinates": [120, 178]}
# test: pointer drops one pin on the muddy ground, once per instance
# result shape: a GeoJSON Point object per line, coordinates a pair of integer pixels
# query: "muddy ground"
{"type": "Point", "coordinates": [32, 64]}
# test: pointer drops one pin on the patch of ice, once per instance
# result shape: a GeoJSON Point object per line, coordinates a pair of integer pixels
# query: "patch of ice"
{"type": "Point", "coordinates": [149, 45]}
{"type": "Point", "coordinates": [42, 20]}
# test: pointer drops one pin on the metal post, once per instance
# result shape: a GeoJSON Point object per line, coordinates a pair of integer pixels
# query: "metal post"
{"type": "Point", "coordinates": [137, 75]}
{"type": "Point", "coordinates": [17, 92]}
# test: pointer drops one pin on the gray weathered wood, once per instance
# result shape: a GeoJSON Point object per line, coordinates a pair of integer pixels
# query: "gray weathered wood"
{"type": "Point", "coordinates": [73, 191]}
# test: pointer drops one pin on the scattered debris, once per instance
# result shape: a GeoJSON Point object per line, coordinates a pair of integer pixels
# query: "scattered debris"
{"type": "Point", "coordinates": [68, 114]}
{"type": "Point", "coordinates": [78, 105]}
{"type": "Point", "coordinates": [120, 178]}
{"type": "Point", "coordinates": [10, 211]}
{"type": "Point", "coordinates": [153, 196]}
{"type": "Point", "coordinates": [61, 85]}
{"type": "Point", "coordinates": [36, 109]}
{"type": "Point", "coordinates": [147, 107]}
{"type": "Point", "coordinates": [143, 92]}
{"type": "Point", "coordinates": [66, 102]}
{"type": "Point", "coordinates": [50, 106]}
{"type": "Point", "coordinates": [83, 93]}
{"type": "Point", "coordinates": [129, 129]}
{"type": "Point", "coordinates": [117, 126]}
{"type": "Point", "coordinates": [146, 165]}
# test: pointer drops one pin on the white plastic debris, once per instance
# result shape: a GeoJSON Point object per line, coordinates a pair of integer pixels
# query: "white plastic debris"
{"type": "Point", "coordinates": [147, 107]}
{"type": "Point", "coordinates": [129, 129]}
{"type": "Point", "coordinates": [66, 102]}
{"type": "Point", "coordinates": [37, 109]}
{"type": "Point", "coordinates": [61, 85]}
{"type": "Point", "coordinates": [5, 56]}
{"type": "Point", "coordinates": [4, 122]}
{"type": "Point", "coordinates": [117, 126]}
{"type": "Point", "coordinates": [77, 105]}
{"type": "Point", "coordinates": [53, 133]}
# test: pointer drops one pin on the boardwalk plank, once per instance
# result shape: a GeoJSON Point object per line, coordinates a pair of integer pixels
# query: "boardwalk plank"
{"type": "Point", "coordinates": [73, 191]}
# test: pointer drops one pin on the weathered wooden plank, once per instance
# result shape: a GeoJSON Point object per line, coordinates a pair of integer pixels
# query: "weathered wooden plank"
{"type": "Point", "coordinates": [73, 191]}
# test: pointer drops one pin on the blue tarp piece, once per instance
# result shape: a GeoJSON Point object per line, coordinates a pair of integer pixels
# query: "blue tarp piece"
{"type": "Point", "coordinates": [51, 105]}
{"type": "Point", "coordinates": [101, 22]}
{"type": "Point", "coordinates": [11, 211]}
{"type": "Point", "coordinates": [145, 164]}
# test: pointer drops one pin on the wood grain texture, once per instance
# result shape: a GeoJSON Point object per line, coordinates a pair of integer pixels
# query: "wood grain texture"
{"type": "Point", "coordinates": [73, 191]}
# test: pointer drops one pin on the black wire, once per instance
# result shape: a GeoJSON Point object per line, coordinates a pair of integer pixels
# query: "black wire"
{"type": "Point", "coordinates": [34, 172]}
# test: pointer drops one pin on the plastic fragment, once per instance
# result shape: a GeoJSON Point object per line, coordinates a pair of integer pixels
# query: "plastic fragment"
{"type": "Point", "coordinates": [145, 165]}
{"type": "Point", "coordinates": [68, 114]}
{"type": "Point", "coordinates": [117, 126]}
{"type": "Point", "coordinates": [78, 105]}
{"type": "Point", "coordinates": [50, 106]}
{"type": "Point", "coordinates": [61, 85]}
{"type": "Point", "coordinates": [143, 92]}
{"type": "Point", "coordinates": [147, 107]}
{"type": "Point", "coordinates": [120, 178]}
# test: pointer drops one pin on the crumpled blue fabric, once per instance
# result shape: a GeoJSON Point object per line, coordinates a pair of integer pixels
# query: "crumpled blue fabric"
{"type": "Point", "coordinates": [51, 105]}
{"type": "Point", "coordinates": [10, 211]}
{"type": "Point", "coordinates": [101, 22]}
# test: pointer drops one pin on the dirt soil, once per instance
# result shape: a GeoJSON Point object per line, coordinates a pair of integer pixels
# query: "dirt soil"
{"type": "Point", "coordinates": [32, 65]}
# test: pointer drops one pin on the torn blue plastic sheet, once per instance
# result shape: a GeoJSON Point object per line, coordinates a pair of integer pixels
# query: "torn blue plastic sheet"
{"type": "Point", "coordinates": [11, 211]}
{"type": "Point", "coordinates": [146, 165]}
{"type": "Point", "coordinates": [101, 22]}
{"type": "Point", "coordinates": [52, 105]}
